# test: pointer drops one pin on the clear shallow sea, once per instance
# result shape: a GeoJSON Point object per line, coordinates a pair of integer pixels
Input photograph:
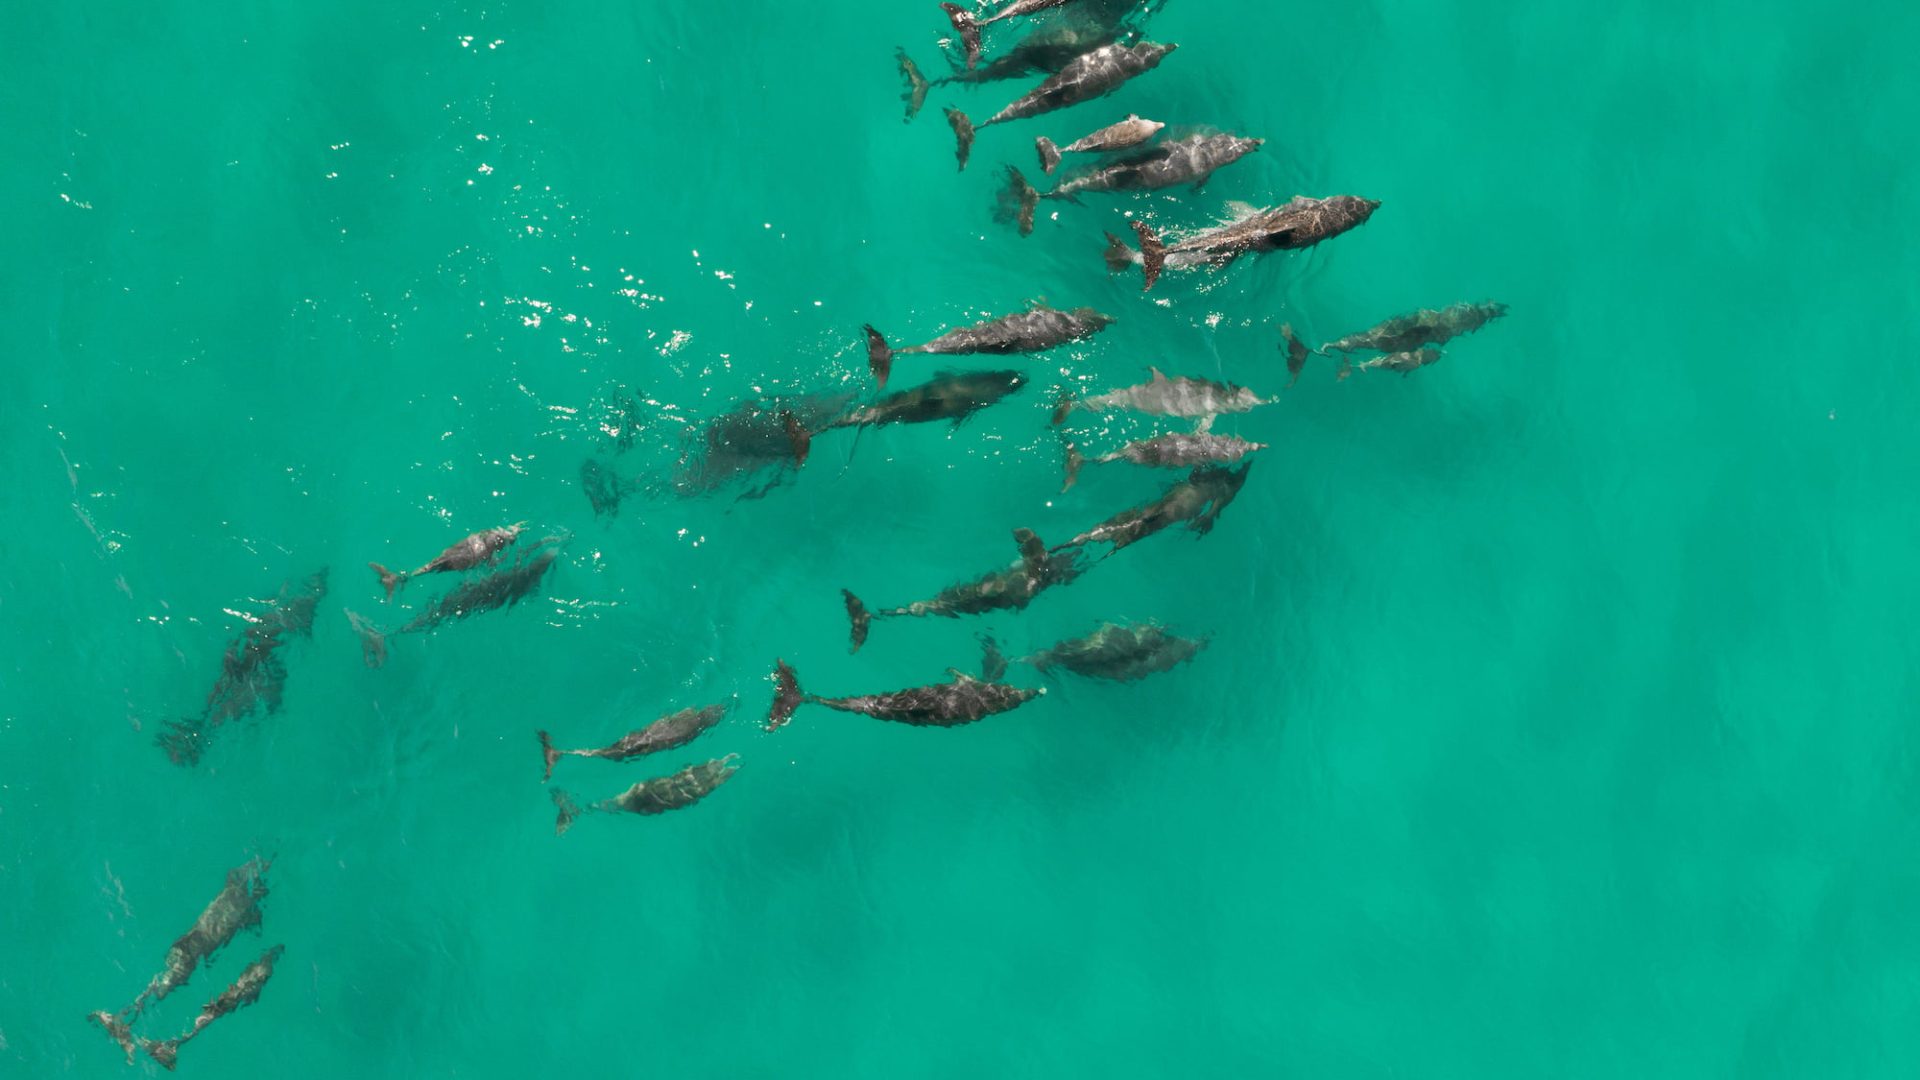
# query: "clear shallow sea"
{"type": "Point", "coordinates": [1559, 714]}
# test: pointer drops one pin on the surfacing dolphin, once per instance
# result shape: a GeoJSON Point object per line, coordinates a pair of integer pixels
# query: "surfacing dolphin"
{"type": "Point", "coordinates": [1115, 651]}
{"type": "Point", "coordinates": [1189, 160]}
{"type": "Point", "coordinates": [667, 733]}
{"type": "Point", "coordinates": [1174, 450]}
{"type": "Point", "coordinates": [465, 554]}
{"type": "Point", "coordinates": [1085, 77]}
{"type": "Point", "coordinates": [1163, 396]}
{"type": "Point", "coordinates": [1033, 330]}
{"type": "Point", "coordinates": [1301, 223]}
{"type": "Point", "coordinates": [950, 704]}
{"type": "Point", "coordinates": [1127, 133]}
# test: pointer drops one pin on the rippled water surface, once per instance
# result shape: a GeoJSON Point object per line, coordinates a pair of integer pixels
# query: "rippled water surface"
{"type": "Point", "coordinates": [1558, 713]}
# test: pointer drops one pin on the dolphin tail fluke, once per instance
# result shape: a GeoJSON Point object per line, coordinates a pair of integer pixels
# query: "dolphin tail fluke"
{"type": "Point", "coordinates": [968, 28]}
{"type": "Point", "coordinates": [1049, 154]}
{"type": "Point", "coordinates": [388, 578]}
{"type": "Point", "coordinates": [1074, 461]}
{"type": "Point", "coordinates": [859, 619]}
{"type": "Point", "coordinates": [916, 94]}
{"type": "Point", "coordinates": [787, 695]}
{"type": "Point", "coordinates": [1119, 255]}
{"type": "Point", "coordinates": [962, 134]}
{"type": "Point", "coordinates": [993, 663]}
{"type": "Point", "coordinates": [166, 1052]}
{"type": "Point", "coordinates": [798, 436]}
{"type": "Point", "coordinates": [1153, 253]}
{"type": "Point", "coordinates": [547, 751]}
{"type": "Point", "coordinates": [879, 356]}
{"type": "Point", "coordinates": [373, 643]}
{"type": "Point", "coordinates": [1023, 198]}
{"type": "Point", "coordinates": [566, 809]}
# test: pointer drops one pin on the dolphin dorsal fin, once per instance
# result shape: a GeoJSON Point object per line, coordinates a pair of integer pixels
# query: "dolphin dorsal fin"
{"type": "Point", "coordinates": [960, 676]}
{"type": "Point", "coordinates": [1158, 376]}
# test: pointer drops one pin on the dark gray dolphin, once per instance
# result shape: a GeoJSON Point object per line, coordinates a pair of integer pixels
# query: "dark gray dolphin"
{"type": "Point", "coordinates": [1424, 327]}
{"type": "Point", "coordinates": [1174, 450]}
{"type": "Point", "coordinates": [235, 908]}
{"type": "Point", "coordinates": [656, 796]}
{"type": "Point", "coordinates": [1033, 330]}
{"type": "Point", "coordinates": [465, 554]}
{"type": "Point", "coordinates": [1115, 651]}
{"type": "Point", "coordinates": [752, 438]}
{"type": "Point", "coordinates": [950, 704]}
{"type": "Point", "coordinates": [1085, 77]}
{"type": "Point", "coordinates": [252, 672]}
{"type": "Point", "coordinates": [1189, 160]}
{"type": "Point", "coordinates": [1197, 500]}
{"type": "Point", "coordinates": [1009, 589]}
{"type": "Point", "coordinates": [947, 396]}
{"type": "Point", "coordinates": [244, 991]}
{"type": "Point", "coordinates": [667, 733]}
{"type": "Point", "coordinates": [1127, 133]}
{"type": "Point", "coordinates": [1300, 223]}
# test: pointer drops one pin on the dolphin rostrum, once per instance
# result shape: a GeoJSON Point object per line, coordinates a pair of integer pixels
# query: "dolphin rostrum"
{"type": "Point", "coordinates": [1189, 160]}
{"type": "Point", "coordinates": [482, 547]}
{"type": "Point", "coordinates": [1174, 450]}
{"type": "Point", "coordinates": [667, 733]}
{"type": "Point", "coordinates": [1301, 223]}
{"type": "Point", "coordinates": [1033, 330]}
{"type": "Point", "coordinates": [1085, 77]}
{"type": "Point", "coordinates": [1127, 133]}
{"type": "Point", "coordinates": [949, 704]}
{"type": "Point", "coordinates": [656, 796]}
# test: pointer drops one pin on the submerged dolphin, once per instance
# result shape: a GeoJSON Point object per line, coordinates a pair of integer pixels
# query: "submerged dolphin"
{"type": "Point", "coordinates": [1033, 330]}
{"type": "Point", "coordinates": [1424, 327]}
{"type": "Point", "coordinates": [666, 733]}
{"type": "Point", "coordinates": [252, 673]}
{"type": "Point", "coordinates": [1119, 652]}
{"type": "Point", "coordinates": [947, 396]}
{"type": "Point", "coordinates": [1406, 363]}
{"type": "Point", "coordinates": [482, 547]}
{"type": "Point", "coordinates": [1301, 223]}
{"type": "Point", "coordinates": [1189, 160]}
{"type": "Point", "coordinates": [656, 796]}
{"type": "Point", "coordinates": [1085, 77]}
{"type": "Point", "coordinates": [1009, 589]}
{"type": "Point", "coordinates": [1174, 450]}
{"type": "Point", "coordinates": [950, 704]}
{"type": "Point", "coordinates": [1197, 500]}
{"type": "Point", "coordinates": [1163, 396]}
{"type": "Point", "coordinates": [1129, 132]}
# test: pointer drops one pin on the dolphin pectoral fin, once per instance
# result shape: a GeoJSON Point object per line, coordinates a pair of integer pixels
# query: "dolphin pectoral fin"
{"type": "Point", "coordinates": [1204, 425]}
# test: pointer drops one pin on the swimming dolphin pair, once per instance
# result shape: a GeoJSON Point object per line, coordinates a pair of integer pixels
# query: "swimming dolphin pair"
{"type": "Point", "coordinates": [1404, 338]}
{"type": "Point", "coordinates": [502, 588]}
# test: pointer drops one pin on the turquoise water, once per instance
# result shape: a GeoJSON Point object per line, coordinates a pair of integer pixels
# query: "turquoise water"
{"type": "Point", "coordinates": [1558, 718]}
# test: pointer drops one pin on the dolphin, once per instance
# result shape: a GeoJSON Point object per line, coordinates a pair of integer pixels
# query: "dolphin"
{"type": "Point", "coordinates": [244, 992]}
{"type": "Point", "coordinates": [1127, 133]}
{"type": "Point", "coordinates": [252, 673]}
{"type": "Point", "coordinates": [1174, 450]}
{"type": "Point", "coordinates": [502, 588]}
{"type": "Point", "coordinates": [667, 733]}
{"type": "Point", "coordinates": [1163, 396]}
{"type": "Point", "coordinates": [1190, 160]}
{"type": "Point", "coordinates": [1197, 500]}
{"type": "Point", "coordinates": [751, 438]}
{"type": "Point", "coordinates": [968, 25]}
{"type": "Point", "coordinates": [1033, 330]}
{"type": "Point", "coordinates": [1301, 223]}
{"type": "Point", "coordinates": [1009, 589]}
{"type": "Point", "coordinates": [1424, 327]}
{"type": "Point", "coordinates": [947, 396]}
{"type": "Point", "coordinates": [1115, 651]}
{"type": "Point", "coordinates": [1403, 362]}
{"type": "Point", "coordinates": [949, 704]}
{"type": "Point", "coordinates": [1085, 77]}
{"type": "Point", "coordinates": [656, 796]}
{"type": "Point", "coordinates": [482, 547]}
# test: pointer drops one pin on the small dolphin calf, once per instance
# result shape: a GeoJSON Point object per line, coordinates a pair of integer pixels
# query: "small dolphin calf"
{"type": "Point", "coordinates": [1403, 362]}
{"type": "Point", "coordinates": [1174, 450]}
{"type": "Point", "coordinates": [947, 396]}
{"type": "Point", "coordinates": [951, 704]}
{"type": "Point", "coordinates": [1163, 396]}
{"type": "Point", "coordinates": [1189, 160]}
{"type": "Point", "coordinates": [1085, 77]}
{"type": "Point", "coordinates": [502, 588]}
{"type": "Point", "coordinates": [1002, 590]}
{"type": "Point", "coordinates": [482, 547]}
{"type": "Point", "coordinates": [666, 733]}
{"type": "Point", "coordinates": [1129, 132]}
{"type": "Point", "coordinates": [1033, 330]}
{"type": "Point", "coordinates": [1119, 652]}
{"type": "Point", "coordinates": [1301, 223]}
{"type": "Point", "coordinates": [657, 796]}
{"type": "Point", "coordinates": [968, 25]}
{"type": "Point", "coordinates": [244, 992]}
{"type": "Point", "coordinates": [1197, 500]}
{"type": "Point", "coordinates": [1424, 327]}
